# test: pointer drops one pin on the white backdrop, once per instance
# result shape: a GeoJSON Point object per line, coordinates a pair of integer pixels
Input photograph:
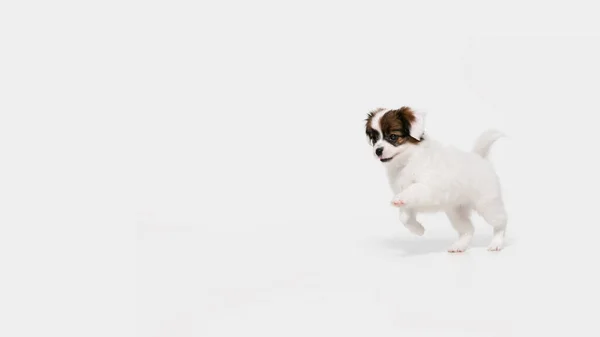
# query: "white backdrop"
{"type": "Point", "coordinates": [200, 168]}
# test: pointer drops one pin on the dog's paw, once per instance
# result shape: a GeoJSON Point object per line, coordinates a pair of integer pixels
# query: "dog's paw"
{"type": "Point", "coordinates": [398, 201]}
{"type": "Point", "coordinates": [456, 250]}
{"type": "Point", "coordinates": [495, 247]}
{"type": "Point", "coordinates": [497, 243]}
{"type": "Point", "coordinates": [461, 244]}
{"type": "Point", "coordinates": [457, 247]}
{"type": "Point", "coordinates": [416, 229]}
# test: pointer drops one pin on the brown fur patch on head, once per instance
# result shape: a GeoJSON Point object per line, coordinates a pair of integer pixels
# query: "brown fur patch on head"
{"type": "Point", "coordinates": [395, 125]}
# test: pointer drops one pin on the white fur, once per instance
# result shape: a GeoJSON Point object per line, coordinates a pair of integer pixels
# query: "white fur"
{"type": "Point", "coordinates": [431, 177]}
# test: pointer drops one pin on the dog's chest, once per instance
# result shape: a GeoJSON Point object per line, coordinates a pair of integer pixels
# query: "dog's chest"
{"type": "Point", "coordinates": [400, 179]}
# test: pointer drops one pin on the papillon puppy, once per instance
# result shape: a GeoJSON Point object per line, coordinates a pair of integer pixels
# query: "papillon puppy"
{"type": "Point", "coordinates": [426, 176]}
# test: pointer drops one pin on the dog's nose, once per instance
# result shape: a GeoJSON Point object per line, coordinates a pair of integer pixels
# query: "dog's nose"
{"type": "Point", "coordinates": [379, 151]}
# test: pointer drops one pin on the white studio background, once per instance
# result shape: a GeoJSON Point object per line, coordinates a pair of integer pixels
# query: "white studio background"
{"type": "Point", "coordinates": [200, 168]}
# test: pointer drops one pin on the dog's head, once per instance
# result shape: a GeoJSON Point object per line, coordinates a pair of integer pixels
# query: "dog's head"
{"type": "Point", "coordinates": [392, 132]}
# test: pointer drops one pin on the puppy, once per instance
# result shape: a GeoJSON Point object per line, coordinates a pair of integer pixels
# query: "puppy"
{"type": "Point", "coordinates": [426, 176]}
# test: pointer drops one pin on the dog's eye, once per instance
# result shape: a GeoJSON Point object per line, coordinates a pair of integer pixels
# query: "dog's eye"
{"type": "Point", "coordinates": [393, 138]}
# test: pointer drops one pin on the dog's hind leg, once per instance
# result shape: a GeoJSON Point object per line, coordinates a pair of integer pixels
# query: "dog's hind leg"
{"type": "Point", "coordinates": [494, 213]}
{"type": "Point", "coordinates": [409, 219]}
{"type": "Point", "coordinates": [460, 219]}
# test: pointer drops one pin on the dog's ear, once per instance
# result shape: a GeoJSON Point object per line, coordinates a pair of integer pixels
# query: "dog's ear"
{"type": "Point", "coordinates": [369, 117]}
{"type": "Point", "coordinates": [413, 123]}
{"type": "Point", "coordinates": [417, 126]}
{"type": "Point", "coordinates": [368, 122]}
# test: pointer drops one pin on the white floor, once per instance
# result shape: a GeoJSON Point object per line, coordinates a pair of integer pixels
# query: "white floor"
{"type": "Point", "coordinates": [365, 277]}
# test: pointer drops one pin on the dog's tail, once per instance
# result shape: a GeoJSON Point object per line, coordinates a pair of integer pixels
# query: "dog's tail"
{"type": "Point", "coordinates": [485, 141]}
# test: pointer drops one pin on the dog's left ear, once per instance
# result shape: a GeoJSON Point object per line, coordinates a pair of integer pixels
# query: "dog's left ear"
{"type": "Point", "coordinates": [417, 127]}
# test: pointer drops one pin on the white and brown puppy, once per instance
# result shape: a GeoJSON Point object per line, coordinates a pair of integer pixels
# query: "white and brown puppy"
{"type": "Point", "coordinates": [426, 176]}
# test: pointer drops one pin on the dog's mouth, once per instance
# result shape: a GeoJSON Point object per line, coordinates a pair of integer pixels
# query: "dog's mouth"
{"type": "Point", "coordinates": [385, 160]}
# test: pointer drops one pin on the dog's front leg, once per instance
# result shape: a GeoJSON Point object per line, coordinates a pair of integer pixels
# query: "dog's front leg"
{"type": "Point", "coordinates": [409, 219]}
{"type": "Point", "coordinates": [414, 196]}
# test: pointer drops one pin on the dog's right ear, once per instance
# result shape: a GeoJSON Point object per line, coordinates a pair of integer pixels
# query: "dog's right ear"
{"type": "Point", "coordinates": [370, 116]}
{"type": "Point", "coordinates": [368, 129]}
